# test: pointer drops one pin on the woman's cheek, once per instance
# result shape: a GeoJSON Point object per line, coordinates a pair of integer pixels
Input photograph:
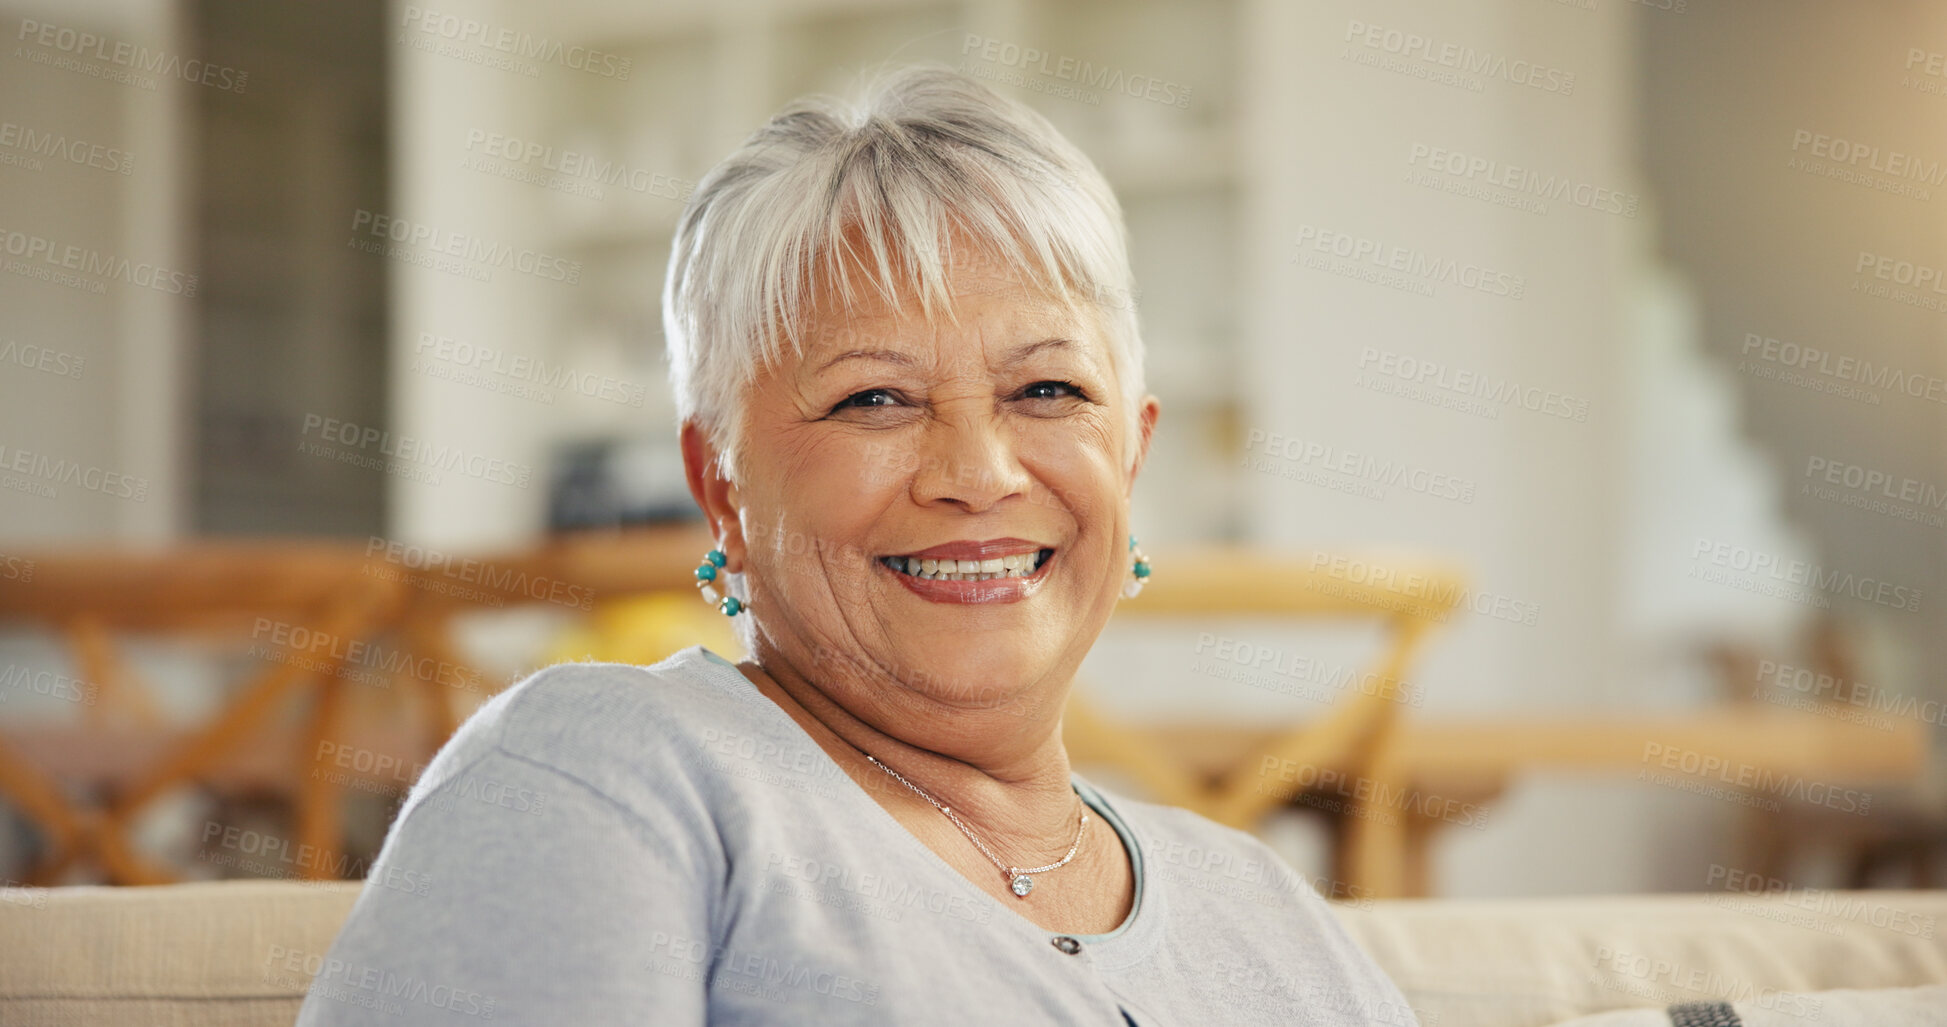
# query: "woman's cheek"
{"type": "Point", "coordinates": [1090, 433]}
{"type": "Point", "coordinates": [878, 465]}
{"type": "Point", "coordinates": [1078, 471]}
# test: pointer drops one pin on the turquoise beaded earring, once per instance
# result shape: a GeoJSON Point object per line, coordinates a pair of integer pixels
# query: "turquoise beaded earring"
{"type": "Point", "coordinates": [706, 573]}
{"type": "Point", "coordinates": [1138, 571]}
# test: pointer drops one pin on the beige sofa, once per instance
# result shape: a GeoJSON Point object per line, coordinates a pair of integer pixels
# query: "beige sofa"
{"type": "Point", "coordinates": [232, 953]}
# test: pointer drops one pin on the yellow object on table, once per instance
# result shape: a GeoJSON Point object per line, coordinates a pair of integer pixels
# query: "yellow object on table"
{"type": "Point", "coordinates": [646, 629]}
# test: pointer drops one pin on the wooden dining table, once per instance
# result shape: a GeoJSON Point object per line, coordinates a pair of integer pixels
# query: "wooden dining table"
{"type": "Point", "coordinates": [1426, 776]}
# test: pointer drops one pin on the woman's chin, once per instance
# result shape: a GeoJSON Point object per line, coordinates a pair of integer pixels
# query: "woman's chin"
{"type": "Point", "coordinates": [973, 685]}
{"type": "Point", "coordinates": [966, 669]}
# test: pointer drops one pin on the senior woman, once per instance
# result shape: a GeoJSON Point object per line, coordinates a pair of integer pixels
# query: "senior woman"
{"type": "Point", "coordinates": [912, 404]}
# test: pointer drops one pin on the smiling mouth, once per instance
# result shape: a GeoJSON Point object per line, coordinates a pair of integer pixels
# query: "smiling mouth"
{"type": "Point", "coordinates": [1017, 565]}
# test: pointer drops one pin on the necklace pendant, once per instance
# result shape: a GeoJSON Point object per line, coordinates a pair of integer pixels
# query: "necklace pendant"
{"type": "Point", "coordinates": [1022, 885]}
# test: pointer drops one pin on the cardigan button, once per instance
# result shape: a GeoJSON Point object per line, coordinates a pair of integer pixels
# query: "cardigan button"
{"type": "Point", "coordinates": [1066, 944]}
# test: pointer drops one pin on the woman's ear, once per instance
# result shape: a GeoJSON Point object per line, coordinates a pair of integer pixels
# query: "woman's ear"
{"type": "Point", "coordinates": [715, 494]}
{"type": "Point", "coordinates": [1151, 409]}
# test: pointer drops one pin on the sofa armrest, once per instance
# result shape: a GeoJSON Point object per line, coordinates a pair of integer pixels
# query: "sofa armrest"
{"type": "Point", "coordinates": [206, 953]}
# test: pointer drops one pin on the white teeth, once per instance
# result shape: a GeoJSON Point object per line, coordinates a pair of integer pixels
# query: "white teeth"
{"type": "Point", "coordinates": [1017, 565]}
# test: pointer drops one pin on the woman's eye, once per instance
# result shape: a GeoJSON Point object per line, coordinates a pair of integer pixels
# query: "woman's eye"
{"type": "Point", "coordinates": [868, 398]}
{"type": "Point", "coordinates": [1053, 390]}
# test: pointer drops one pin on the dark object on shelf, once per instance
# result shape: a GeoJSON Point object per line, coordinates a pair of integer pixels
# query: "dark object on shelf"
{"type": "Point", "coordinates": [611, 483]}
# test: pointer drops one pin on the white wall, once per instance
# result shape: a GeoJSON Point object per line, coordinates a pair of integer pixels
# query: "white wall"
{"type": "Point", "coordinates": [1329, 143]}
{"type": "Point", "coordinates": [124, 411]}
{"type": "Point", "coordinates": [437, 99]}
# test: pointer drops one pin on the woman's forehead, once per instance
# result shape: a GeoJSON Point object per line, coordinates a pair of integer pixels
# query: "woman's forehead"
{"type": "Point", "coordinates": [999, 328]}
{"type": "Point", "coordinates": [993, 309]}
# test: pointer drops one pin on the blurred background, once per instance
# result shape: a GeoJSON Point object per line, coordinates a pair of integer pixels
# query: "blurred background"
{"type": "Point", "coordinates": [331, 350]}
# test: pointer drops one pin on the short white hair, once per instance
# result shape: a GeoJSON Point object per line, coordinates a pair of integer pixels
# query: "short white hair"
{"type": "Point", "coordinates": [927, 152]}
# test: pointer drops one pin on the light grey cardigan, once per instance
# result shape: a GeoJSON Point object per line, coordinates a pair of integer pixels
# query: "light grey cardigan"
{"type": "Point", "coordinates": [617, 844]}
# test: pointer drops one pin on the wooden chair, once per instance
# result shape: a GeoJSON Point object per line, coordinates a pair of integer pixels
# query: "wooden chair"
{"type": "Point", "coordinates": [1908, 828]}
{"type": "Point", "coordinates": [217, 593]}
{"type": "Point", "coordinates": [1214, 769]}
{"type": "Point", "coordinates": [203, 593]}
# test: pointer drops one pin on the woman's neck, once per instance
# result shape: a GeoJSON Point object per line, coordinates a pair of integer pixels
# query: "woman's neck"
{"type": "Point", "coordinates": [1005, 774]}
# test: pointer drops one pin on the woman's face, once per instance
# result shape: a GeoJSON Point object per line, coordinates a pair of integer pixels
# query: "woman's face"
{"type": "Point", "coordinates": [999, 434]}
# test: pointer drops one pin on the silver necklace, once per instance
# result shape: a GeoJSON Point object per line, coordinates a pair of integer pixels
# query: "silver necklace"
{"type": "Point", "coordinates": [1018, 879]}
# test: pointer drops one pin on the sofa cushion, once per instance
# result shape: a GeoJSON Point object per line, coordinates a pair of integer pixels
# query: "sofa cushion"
{"type": "Point", "coordinates": [1880, 1007]}
{"type": "Point", "coordinates": [1531, 962]}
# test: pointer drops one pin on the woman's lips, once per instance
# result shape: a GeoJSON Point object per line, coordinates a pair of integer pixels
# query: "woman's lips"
{"type": "Point", "coordinates": [969, 549]}
{"type": "Point", "coordinates": [1011, 588]}
{"type": "Point", "coordinates": [999, 565]}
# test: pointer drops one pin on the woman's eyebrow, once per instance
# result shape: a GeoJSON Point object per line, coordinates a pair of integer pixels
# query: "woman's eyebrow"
{"type": "Point", "coordinates": [1025, 351]}
{"type": "Point", "coordinates": [891, 356]}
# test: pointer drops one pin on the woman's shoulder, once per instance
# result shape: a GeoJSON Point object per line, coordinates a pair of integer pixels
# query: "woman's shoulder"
{"type": "Point", "coordinates": [571, 707]}
{"type": "Point", "coordinates": [1230, 894]}
{"type": "Point", "coordinates": [590, 703]}
{"type": "Point", "coordinates": [614, 727]}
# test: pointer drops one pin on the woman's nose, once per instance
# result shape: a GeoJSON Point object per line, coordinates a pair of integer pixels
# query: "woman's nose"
{"type": "Point", "coordinates": [968, 459]}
